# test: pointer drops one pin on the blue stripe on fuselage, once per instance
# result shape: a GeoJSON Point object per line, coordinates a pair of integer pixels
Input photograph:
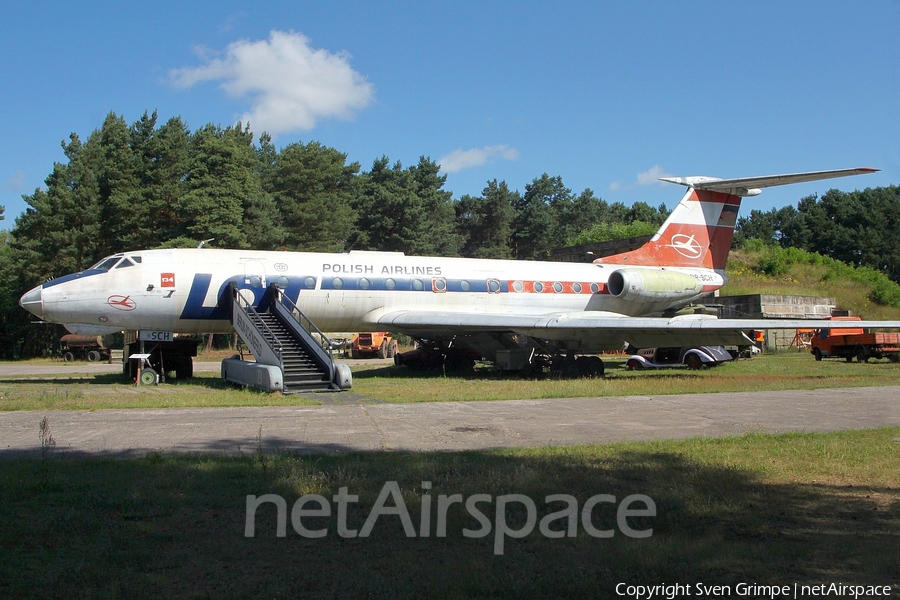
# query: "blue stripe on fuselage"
{"type": "Point", "coordinates": [73, 277]}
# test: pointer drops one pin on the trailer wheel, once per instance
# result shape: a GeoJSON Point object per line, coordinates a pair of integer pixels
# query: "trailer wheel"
{"type": "Point", "coordinates": [817, 354]}
{"type": "Point", "coordinates": [634, 365]}
{"type": "Point", "coordinates": [861, 355]}
{"type": "Point", "coordinates": [68, 357]}
{"type": "Point", "coordinates": [382, 349]}
{"type": "Point", "coordinates": [93, 356]}
{"type": "Point", "coordinates": [148, 377]}
{"type": "Point", "coordinates": [184, 368]}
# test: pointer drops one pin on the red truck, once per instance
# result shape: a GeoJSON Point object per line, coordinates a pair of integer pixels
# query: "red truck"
{"type": "Point", "coordinates": [854, 342]}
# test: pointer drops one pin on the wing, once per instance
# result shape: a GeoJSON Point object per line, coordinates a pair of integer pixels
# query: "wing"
{"type": "Point", "coordinates": [604, 330]}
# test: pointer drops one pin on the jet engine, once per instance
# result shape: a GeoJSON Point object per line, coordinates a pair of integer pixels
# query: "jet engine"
{"type": "Point", "coordinates": [648, 285]}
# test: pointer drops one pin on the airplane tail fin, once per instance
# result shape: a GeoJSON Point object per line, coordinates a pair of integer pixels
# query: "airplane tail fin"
{"type": "Point", "coordinates": [698, 233]}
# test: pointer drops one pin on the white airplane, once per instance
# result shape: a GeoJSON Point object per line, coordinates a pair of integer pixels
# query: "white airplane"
{"type": "Point", "coordinates": [516, 313]}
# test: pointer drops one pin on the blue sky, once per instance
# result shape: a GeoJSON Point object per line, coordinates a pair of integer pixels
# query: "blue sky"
{"type": "Point", "coordinates": [608, 96]}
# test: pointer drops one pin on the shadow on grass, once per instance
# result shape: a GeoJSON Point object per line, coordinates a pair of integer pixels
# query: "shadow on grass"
{"type": "Point", "coordinates": [166, 526]}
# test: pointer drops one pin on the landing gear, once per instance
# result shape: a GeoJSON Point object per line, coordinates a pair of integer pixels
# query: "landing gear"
{"type": "Point", "coordinates": [525, 357]}
{"type": "Point", "coordinates": [590, 366]}
{"type": "Point", "coordinates": [571, 367]}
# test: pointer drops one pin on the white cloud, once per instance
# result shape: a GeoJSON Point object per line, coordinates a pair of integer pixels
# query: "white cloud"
{"type": "Point", "coordinates": [291, 84]}
{"type": "Point", "coordinates": [652, 175]}
{"type": "Point", "coordinates": [649, 177]}
{"type": "Point", "coordinates": [459, 160]}
{"type": "Point", "coordinates": [16, 182]}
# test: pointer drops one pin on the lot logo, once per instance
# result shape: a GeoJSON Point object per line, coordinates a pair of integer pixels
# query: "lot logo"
{"type": "Point", "coordinates": [561, 518]}
{"type": "Point", "coordinates": [121, 302]}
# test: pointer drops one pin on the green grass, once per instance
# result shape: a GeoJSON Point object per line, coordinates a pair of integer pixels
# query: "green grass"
{"type": "Point", "coordinates": [110, 390]}
{"type": "Point", "coordinates": [808, 508]}
{"type": "Point", "coordinates": [781, 371]}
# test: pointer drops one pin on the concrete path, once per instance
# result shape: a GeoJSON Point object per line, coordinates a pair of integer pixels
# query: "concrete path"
{"type": "Point", "coordinates": [448, 425]}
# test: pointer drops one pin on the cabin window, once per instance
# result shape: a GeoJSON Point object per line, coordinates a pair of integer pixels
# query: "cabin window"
{"type": "Point", "coordinates": [576, 287]}
{"type": "Point", "coordinates": [364, 284]}
{"type": "Point", "coordinates": [439, 284]}
{"type": "Point", "coordinates": [465, 285]}
{"type": "Point", "coordinates": [337, 283]}
{"type": "Point", "coordinates": [595, 288]}
{"type": "Point", "coordinates": [538, 287]}
{"type": "Point", "coordinates": [493, 286]}
{"type": "Point", "coordinates": [254, 281]}
{"type": "Point", "coordinates": [558, 287]}
{"type": "Point", "coordinates": [282, 282]}
{"type": "Point", "coordinates": [418, 285]}
{"type": "Point", "coordinates": [518, 286]}
{"type": "Point", "coordinates": [310, 282]}
{"type": "Point", "coordinates": [390, 284]}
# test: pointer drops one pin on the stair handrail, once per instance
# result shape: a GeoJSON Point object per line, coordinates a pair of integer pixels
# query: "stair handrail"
{"type": "Point", "coordinates": [258, 321]}
{"type": "Point", "coordinates": [301, 318]}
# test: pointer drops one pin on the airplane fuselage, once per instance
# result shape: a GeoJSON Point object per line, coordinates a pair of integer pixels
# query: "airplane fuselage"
{"type": "Point", "coordinates": [185, 290]}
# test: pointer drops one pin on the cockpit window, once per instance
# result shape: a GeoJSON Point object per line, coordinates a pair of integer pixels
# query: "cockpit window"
{"type": "Point", "coordinates": [107, 263]}
{"type": "Point", "coordinates": [136, 259]}
{"type": "Point", "coordinates": [125, 263]}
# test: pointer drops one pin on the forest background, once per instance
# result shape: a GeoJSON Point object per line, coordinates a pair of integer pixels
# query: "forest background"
{"type": "Point", "coordinates": [146, 185]}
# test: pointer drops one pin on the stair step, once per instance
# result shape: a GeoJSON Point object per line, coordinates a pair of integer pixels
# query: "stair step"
{"type": "Point", "coordinates": [300, 371]}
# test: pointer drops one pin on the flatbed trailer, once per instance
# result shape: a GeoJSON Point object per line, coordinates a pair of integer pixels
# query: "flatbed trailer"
{"type": "Point", "coordinates": [173, 356]}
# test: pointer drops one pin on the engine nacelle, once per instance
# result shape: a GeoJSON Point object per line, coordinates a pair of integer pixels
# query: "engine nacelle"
{"type": "Point", "coordinates": [647, 285]}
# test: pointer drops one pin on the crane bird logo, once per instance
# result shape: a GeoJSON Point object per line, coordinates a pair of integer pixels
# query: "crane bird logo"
{"type": "Point", "coordinates": [121, 302]}
{"type": "Point", "coordinates": [686, 245]}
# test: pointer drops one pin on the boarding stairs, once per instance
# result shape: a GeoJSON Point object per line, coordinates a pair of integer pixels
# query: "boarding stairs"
{"type": "Point", "coordinates": [278, 334]}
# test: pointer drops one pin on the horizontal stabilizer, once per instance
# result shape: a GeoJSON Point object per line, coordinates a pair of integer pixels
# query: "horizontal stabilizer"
{"type": "Point", "coordinates": [750, 186]}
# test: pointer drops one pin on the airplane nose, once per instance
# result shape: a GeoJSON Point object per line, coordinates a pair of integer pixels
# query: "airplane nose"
{"type": "Point", "coordinates": [33, 302]}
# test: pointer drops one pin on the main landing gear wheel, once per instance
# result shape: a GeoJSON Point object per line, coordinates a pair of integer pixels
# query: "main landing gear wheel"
{"type": "Point", "coordinates": [589, 366]}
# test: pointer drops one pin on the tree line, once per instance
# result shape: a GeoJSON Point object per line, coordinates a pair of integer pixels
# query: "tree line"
{"type": "Point", "coordinates": [150, 185]}
{"type": "Point", "coordinates": [859, 228]}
